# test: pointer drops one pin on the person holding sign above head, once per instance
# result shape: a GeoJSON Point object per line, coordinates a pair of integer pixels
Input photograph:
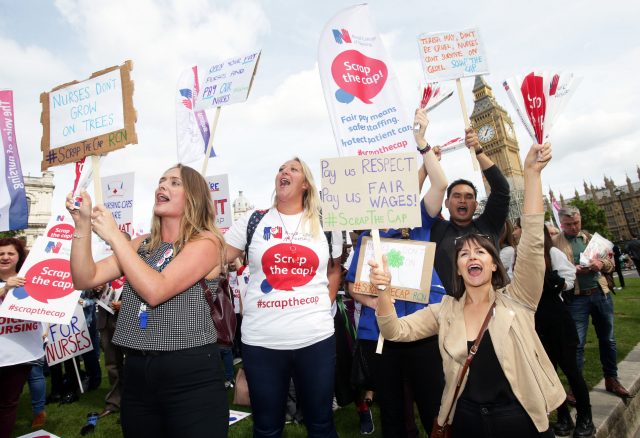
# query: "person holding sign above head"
{"type": "Point", "coordinates": [287, 327]}
{"type": "Point", "coordinates": [173, 379]}
{"type": "Point", "coordinates": [417, 362]}
{"type": "Point", "coordinates": [499, 380]}
{"type": "Point", "coordinates": [462, 203]}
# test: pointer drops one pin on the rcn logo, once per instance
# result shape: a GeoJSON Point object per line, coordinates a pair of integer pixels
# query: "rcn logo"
{"type": "Point", "coordinates": [341, 36]}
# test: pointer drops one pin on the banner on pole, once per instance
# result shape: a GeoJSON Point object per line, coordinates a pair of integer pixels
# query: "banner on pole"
{"type": "Point", "coordinates": [14, 214]}
{"type": "Point", "coordinates": [117, 194]}
{"type": "Point", "coordinates": [192, 127]}
{"type": "Point", "coordinates": [452, 55]}
{"type": "Point", "coordinates": [361, 91]}
{"type": "Point", "coordinates": [370, 192]}
{"type": "Point", "coordinates": [68, 340]}
{"type": "Point", "coordinates": [91, 117]}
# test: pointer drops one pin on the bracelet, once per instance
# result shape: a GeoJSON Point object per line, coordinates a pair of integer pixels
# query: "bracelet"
{"type": "Point", "coordinates": [479, 151]}
{"type": "Point", "coordinates": [426, 149]}
{"type": "Point", "coordinates": [77, 236]}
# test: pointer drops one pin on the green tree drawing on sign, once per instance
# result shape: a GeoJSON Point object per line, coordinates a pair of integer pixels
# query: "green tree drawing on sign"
{"type": "Point", "coordinates": [395, 260]}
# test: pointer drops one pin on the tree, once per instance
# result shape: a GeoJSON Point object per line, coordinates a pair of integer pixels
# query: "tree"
{"type": "Point", "coordinates": [593, 217]}
{"type": "Point", "coordinates": [10, 233]}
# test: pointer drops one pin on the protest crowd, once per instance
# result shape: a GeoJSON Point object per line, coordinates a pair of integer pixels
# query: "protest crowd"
{"type": "Point", "coordinates": [170, 376]}
{"type": "Point", "coordinates": [295, 317]}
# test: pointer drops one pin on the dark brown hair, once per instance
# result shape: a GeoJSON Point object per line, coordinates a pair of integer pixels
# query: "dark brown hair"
{"type": "Point", "coordinates": [20, 249]}
{"type": "Point", "coordinates": [548, 243]}
{"type": "Point", "coordinates": [506, 237]}
{"type": "Point", "coordinates": [499, 278]}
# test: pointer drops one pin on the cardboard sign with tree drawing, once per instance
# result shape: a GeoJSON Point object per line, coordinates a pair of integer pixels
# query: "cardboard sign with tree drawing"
{"type": "Point", "coordinates": [410, 263]}
{"type": "Point", "coordinates": [91, 117]}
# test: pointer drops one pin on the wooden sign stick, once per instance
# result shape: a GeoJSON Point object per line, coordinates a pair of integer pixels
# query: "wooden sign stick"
{"type": "Point", "coordinates": [467, 124]}
{"type": "Point", "coordinates": [75, 366]}
{"type": "Point", "coordinates": [97, 184]}
{"type": "Point", "coordinates": [377, 253]}
{"type": "Point", "coordinates": [210, 145]}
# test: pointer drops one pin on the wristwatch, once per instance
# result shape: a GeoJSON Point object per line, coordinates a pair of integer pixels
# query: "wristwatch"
{"type": "Point", "coordinates": [479, 151]}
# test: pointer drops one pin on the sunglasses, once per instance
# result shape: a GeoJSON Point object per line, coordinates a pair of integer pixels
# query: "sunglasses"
{"type": "Point", "coordinates": [465, 236]}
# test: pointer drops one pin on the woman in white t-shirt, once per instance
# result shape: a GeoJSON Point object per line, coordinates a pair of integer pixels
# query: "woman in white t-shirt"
{"type": "Point", "coordinates": [287, 329]}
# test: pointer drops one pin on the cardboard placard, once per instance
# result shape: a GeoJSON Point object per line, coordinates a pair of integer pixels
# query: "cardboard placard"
{"type": "Point", "coordinates": [366, 192]}
{"type": "Point", "coordinates": [452, 55]}
{"type": "Point", "coordinates": [410, 263]}
{"type": "Point", "coordinates": [90, 117]}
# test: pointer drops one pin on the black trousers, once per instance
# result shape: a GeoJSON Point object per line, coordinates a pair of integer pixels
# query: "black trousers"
{"type": "Point", "coordinates": [560, 339]}
{"type": "Point", "coordinates": [174, 394]}
{"type": "Point", "coordinates": [494, 421]}
{"type": "Point", "coordinates": [417, 364]}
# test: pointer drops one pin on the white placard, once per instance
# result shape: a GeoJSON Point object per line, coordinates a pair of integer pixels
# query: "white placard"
{"type": "Point", "coordinates": [226, 82]}
{"type": "Point", "coordinates": [219, 188]}
{"type": "Point", "coordinates": [117, 195]}
{"type": "Point", "coordinates": [68, 340]}
{"type": "Point", "coordinates": [88, 109]}
{"type": "Point", "coordinates": [452, 55]}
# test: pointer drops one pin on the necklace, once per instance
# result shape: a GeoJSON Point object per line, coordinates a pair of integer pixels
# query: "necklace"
{"type": "Point", "coordinates": [291, 236]}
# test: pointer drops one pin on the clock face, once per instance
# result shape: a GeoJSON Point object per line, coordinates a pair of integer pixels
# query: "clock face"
{"type": "Point", "coordinates": [509, 130]}
{"type": "Point", "coordinates": [486, 133]}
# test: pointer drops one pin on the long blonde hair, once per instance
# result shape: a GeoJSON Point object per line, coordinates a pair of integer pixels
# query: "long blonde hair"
{"type": "Point", "coordinates": [199, 214]}
{"type": "Point", "coordinates": [310, 201]}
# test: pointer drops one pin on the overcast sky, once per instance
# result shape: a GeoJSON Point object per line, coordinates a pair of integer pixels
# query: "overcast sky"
{"type": "Point", "coordinates": [44, 44]}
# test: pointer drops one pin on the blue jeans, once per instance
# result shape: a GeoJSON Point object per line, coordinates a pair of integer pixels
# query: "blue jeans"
{"type": "Point", "coordinates": [600, 307]}
{"type": "Point", "coordinates": [37, 388]}
{"type": "Point", "coordinates": [268, 373]}
{"type": "Point", "coordinates": [227, 360]}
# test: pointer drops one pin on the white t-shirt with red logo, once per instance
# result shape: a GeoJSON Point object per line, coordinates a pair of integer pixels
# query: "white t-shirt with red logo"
{"type": "Point", "coordinates": [287, 304]}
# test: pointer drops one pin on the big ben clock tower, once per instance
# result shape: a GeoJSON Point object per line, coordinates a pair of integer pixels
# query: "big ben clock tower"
{"type": "Point", "coordinates": [497, 137]}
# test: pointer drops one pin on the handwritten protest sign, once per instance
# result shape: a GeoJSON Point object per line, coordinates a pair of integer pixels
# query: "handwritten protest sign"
{"type": "Point", "coordinates": [226, 82]}
{"type": "Point", "coordinates": [362, 94]}
{"type": "Point", "coordinates": [370, 192]}
{"type": "Point", "coordinates": [20, 341]}
{"type": "Point", "coordinates": [452, 55]}
{"type": "Point", "coordinates": [68, 340]}
{"type": "Point", "coordinates": [410, 263]}
{"type": "Point", "coordinates": [117, 193]}
{"type": "Point", "coordinates": [91, 117]}
{"type": "Point", "coordinates": [219, 188]}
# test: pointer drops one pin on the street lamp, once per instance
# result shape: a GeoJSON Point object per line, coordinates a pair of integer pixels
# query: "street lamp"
{"type": "Point", "coordinates": [619, 193]}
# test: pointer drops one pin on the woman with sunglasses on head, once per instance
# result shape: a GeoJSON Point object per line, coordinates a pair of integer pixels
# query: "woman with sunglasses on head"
{"type": "Point", "coordinates": [173, 384]}
{"type": "Point", "coordinates": [287, 327]}
{"type": "Point", "coordinates": [510, 386]}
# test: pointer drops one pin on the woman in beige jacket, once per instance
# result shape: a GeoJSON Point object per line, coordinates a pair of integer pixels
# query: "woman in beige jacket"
{"type": "Point", "coordinates": [511, 385]}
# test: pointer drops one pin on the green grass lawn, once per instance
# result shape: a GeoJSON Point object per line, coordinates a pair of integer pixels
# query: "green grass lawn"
{"type": "Point", "coordinates": [67, 420]}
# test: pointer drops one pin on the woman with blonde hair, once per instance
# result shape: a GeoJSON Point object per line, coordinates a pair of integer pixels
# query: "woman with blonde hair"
{"type": "Point", "coordinates": [173, 379]}
{"type": "Point", "coordinates": [287, 327]}
{"type": "Point", "coordinates": [499, 381]}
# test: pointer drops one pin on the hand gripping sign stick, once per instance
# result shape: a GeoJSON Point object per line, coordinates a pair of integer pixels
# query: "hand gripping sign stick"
{"type": "Point", "coordinates": [210, 144]}
{"type": "Point", "coordinates": [467, 124]}
{"type": "Point", "coordinates": [377, 253]}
